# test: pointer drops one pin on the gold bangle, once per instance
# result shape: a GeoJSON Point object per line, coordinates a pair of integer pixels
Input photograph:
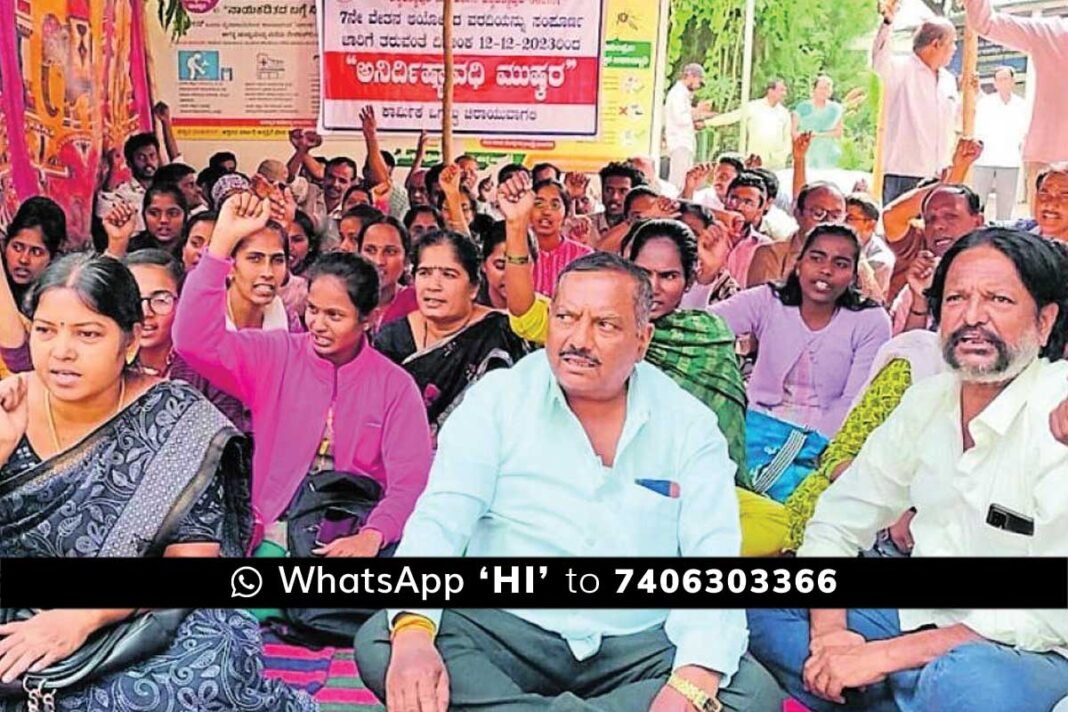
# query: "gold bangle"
{"type": "Point", "coordinates": [700, 699]}
{"type": "Point", "coordinates": [518, 260]}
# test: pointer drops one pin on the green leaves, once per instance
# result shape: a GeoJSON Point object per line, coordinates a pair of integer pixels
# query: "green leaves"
{"type": "Point", "coordinates": [173, 18]}
{"type": "Point", "coordinates": [793, 39]}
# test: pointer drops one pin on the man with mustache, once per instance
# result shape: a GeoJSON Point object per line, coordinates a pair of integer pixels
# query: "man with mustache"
{"type": "Point", "coordinates": [971, 449]}
{"type": "Point", "coordinates": [908, 237]}
{"type": "Point", "coordinates": [579, 450]}
{"type": "Point", "coordinates": [949, 213]}
{"type": "Point", "coordinates": [142, 154]}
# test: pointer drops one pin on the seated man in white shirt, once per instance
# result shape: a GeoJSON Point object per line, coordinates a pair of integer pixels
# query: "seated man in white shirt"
{"type": "Point", "coordinates": [972, 450]}
{"type": "Point", "coordinates": [581, 449]}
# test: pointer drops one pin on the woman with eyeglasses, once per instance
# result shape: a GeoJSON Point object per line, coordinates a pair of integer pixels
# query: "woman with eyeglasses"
{"type": "Point", "coordinates": [159, 277]}
{"type": "Point", "coordinates": [86, 470]}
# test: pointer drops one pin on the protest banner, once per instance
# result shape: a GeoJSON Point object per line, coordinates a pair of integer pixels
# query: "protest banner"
{"type": "Point", "coordinates": [522, 68]}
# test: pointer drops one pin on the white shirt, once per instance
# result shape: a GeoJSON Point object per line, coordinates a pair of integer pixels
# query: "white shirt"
{"type": "Point", "coordinates": [515, 475]}
{"type": "Point", "coordinates": [707, 197]}
{"type": "Point", "coordinates": [916, 458]}
{"type": "Point", "coordinates": [1002, 127]}
{"type": "Point", "coordinates": [275, 317]}
{"type": "Point", "coordinates": [131, 193]}
{"type": "Point", "coordinates": [679, 131]}
{"type": "Point", "coordinates": [921, 111]}
{"type": "Point", "coordinates": [768, 132]}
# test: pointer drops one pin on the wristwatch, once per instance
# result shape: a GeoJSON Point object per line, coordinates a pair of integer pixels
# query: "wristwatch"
{"type": "Point", "coordinates": [697, 697]}
{"type": "Point", "coordinates": [520, 260]}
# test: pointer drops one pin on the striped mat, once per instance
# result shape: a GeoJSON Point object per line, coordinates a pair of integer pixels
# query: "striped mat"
{"type": "Point", "coordinates": [329, 675]}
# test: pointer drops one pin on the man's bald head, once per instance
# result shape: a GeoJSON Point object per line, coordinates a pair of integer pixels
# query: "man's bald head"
{"type": "Point", "coordinates": [935, 42]}
{"type": "Point", "coordinates": [274, 171]}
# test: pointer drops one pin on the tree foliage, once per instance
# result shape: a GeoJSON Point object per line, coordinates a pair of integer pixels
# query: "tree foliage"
{"type": "Point", "coordinates": [173, 18]}
{"type": "Point", "coordinates": [793, 39]}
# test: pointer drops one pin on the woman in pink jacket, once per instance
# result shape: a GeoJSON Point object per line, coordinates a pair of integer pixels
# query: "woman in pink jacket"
{"type": "Point", "coordinates": [320, 400]}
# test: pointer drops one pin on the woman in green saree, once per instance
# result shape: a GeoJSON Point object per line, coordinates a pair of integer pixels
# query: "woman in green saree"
{"type": "Point", "coordinates": [100, 459]}
{"type": "Point", "coordinates": [821, 117]}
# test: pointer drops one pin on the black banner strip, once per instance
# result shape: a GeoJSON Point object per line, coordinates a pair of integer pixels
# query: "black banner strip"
{"type": "Point", "coordinates": [535, 583]}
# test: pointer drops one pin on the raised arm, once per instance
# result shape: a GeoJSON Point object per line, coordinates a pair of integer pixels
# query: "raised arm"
{"type": "Point", "coordinates": [239, 362]}
{"type": "Point", "coordinates": [163, 113]}
{"type": "Point", "coordinates": [801, 144]}
{"type": "Point", "coordinates": [420, 156]}
{"type": "Point", "coordinates": [379, 171]}
{"type": "Point", "coordinates": [1024, 34]}
{"type": "Point", "coordinates": [516, 200]}
{"type": "Point", "coordinates": [882, 51]}
{"type": "Point", "coordinates": [303, 142]}
{"type": "Point", "coordinates": [898, 214]}
{"type": "Point", "coordinates": [119, 225]}
{"type": "Point", "coordinates": [450, 184]}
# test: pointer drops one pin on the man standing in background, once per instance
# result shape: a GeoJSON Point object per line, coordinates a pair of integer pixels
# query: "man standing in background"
{"type": "Point", "coordinates": [921, 102]}
{"type": "Point", "coordinates": [1001, 121]}
{"type": "Point", "coordinates": [1045, 40]}
{"type": "Point", "coordinates": [767, 126]}
{"type": "Point", "coordinates": [682, 120]}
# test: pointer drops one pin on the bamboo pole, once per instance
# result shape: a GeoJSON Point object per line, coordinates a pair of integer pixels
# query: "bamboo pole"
{"type": "Point", "coordinates": [446, 104]}
{"type": "Point", "coordinates": [878, 167]}
{"type": "Point", "coordinates": [970, 79]}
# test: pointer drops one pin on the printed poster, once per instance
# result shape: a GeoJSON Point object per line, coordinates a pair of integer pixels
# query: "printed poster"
{"type": "Point", "coordinates": [245, 70]}
{"type": "Point", "coordinates": [522, 68]}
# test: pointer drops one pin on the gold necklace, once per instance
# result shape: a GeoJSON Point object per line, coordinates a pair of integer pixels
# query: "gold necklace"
{"type": "Point", "coordinates": [52, 419]}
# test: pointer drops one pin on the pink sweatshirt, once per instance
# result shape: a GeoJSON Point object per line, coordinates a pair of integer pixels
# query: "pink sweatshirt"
{"type": "Point", "coordinates": [380, 422]}
{"type": "Point", "coordinates": [1046, 40]}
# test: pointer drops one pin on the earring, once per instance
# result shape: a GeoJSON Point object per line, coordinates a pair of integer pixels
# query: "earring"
{"type": "Point", "coordinates": [131, 358]}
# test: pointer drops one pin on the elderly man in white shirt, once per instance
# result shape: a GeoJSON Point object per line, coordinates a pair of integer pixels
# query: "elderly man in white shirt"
{"type": "Point", "coordinates": [554, 457]}
{"type": "Point", "coordinates": [972, 450]}
{"type": "Point", "coordinates": [1001, 121]}
{"type": "Point", "coordinates": [681, 121]}
{"type": "Point", "coordinates": [921, 102]}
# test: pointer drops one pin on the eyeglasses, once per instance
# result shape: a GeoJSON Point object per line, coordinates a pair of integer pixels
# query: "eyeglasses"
{"type": "Point", "coordinates": [824, 215]}
{"type": "Point", "coordinates": [161, 303]}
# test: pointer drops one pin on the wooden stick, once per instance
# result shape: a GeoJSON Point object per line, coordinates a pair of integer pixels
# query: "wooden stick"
{"type": "Point", "coordinates": [970, 79]}
{"type": "Point", "coordinates": [446, 103]}
{"type": "Point", "coordinates": [877, 170]}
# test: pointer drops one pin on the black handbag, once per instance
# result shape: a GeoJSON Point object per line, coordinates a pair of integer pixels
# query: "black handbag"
{"type": "Point", "coordinates": [329, 505]}
{"type": "Point", "coordinates": [108, 650]}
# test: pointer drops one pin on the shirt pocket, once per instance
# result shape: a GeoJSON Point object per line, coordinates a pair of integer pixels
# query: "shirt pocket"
{"type": "Point", "coordinates": [650, 520]}
{"type": "Point", "coordinates": [991, 541]}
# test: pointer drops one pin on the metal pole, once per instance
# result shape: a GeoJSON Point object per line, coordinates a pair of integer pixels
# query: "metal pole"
{"type": "Point", "coordinates": [747, 70]}
{"type": "Point", "coordinates": [446, 104]}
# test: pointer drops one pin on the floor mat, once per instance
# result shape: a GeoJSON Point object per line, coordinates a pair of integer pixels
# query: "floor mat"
{"type": "Point", "coordinates": [329, 675]}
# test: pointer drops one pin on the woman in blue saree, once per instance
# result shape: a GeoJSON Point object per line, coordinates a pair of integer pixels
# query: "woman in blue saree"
{"type": "Point", "coordinates": [100, 459]}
